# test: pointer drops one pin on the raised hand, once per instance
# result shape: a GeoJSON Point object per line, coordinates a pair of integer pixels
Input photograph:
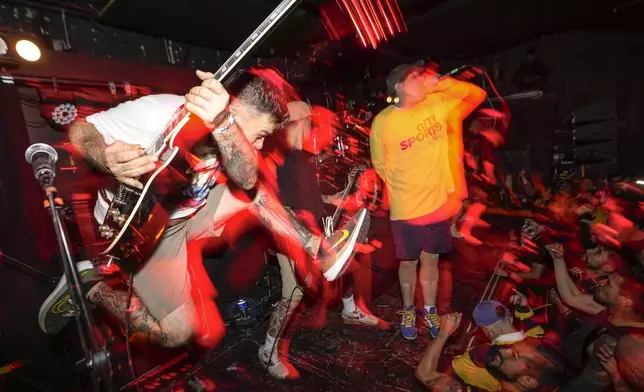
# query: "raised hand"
{"type": "Point", "coordinates": [208, 100]}
{"type": "Point", "coordinates": [518, 299]}
{"type": "Point", "coordinates": [606, 358]}
{"type": "Point", "coordinates": [450, 323]}
{"type": "Point", "coordinates": [556, 251]}
{"type": "Point", "coordinates": [127, 162]}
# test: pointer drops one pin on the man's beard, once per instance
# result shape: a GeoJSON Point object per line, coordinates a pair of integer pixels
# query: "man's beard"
{"type": "Point", "coordinates": [493, 363]}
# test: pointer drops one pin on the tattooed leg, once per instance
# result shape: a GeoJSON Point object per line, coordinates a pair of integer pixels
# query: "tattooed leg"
{"type": "Point", "coordinates": [174, 330]}
{"type": "Point", "coordinates": [275, 217]}
{"type": "Point", "coordinates": [281, 316]}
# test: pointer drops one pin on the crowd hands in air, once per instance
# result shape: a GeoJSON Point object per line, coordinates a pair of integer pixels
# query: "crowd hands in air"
{"type": "Point", "coordinates": [573, 275]}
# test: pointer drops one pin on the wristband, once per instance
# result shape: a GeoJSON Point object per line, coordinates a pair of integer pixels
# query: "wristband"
{"type": "Point", "coordinates": [226, 127]}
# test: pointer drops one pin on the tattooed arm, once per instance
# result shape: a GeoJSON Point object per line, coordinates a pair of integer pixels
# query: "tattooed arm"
{"type": "Point", "coordinates": [90, 143]}
{"type": "Point", "coordinates": [239, 157]}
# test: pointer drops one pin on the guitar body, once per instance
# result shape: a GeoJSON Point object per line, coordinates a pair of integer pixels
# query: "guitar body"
{"type": "Point", "coordinates": [137, 218]}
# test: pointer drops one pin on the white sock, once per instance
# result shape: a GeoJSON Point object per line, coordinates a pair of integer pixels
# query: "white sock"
{"type": "Point", "coordinates": [428, 307]}
{"type": "Point", "coordinates": [271, 344]}
{"type": "Point", "coordinates": [349, 304]}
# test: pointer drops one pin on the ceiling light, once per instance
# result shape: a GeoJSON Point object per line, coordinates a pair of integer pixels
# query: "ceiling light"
{"type": "Point", "coordinates": [28, 50]}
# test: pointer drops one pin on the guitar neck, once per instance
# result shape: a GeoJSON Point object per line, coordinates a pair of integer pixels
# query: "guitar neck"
{"type": "Point", "coordinates": [278, 14]}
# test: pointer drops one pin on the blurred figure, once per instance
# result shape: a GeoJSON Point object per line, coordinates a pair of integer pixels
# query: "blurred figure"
{"type": "Point", "coordinates": [531, 75]}
{"type": "Point", "coordinates": [300, 193]}
{"type": "Point", "coordinates": [416, 148]}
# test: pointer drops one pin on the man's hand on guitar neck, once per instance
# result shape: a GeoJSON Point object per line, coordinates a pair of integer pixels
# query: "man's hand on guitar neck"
{"type": "Point", "coordinates": [208, 100]}
{"type": "Point", "coordinates": [127, 162]}
{"type": "Point", "coordinates": [238, 152]}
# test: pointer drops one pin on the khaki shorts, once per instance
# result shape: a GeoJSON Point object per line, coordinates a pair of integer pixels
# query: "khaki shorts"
{"type": "Point", "coordinates": [290, 288]}
{"type": "Point", "coordinates": [163, 284]}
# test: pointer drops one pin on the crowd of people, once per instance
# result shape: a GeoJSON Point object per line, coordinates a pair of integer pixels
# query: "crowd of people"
{"type": "Point", "coordinates": [582, 247]}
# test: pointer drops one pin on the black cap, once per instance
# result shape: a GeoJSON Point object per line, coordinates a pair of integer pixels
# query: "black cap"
{"type": "Point", "coordinates": [399, 74]}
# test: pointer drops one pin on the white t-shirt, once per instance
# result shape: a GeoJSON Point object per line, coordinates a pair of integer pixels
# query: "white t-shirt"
{"type": "Point", "coordinates": [140, 122]}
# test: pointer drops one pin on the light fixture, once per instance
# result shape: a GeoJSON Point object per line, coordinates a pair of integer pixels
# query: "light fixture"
{"type": "Point", "coordinates": [28, 50]}
{"type": "Point", "coordinates": [16, 47]}
{"type": "Point", "coordinates": [639, 182]}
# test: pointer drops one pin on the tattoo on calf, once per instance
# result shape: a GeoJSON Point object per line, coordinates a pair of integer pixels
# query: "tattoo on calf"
{"type": "Point", "coordinates": [280, 317]}
{"type": "Point", "coordinates": [282, 221]}
{"type": "Point", "coordinates": [141, 321]}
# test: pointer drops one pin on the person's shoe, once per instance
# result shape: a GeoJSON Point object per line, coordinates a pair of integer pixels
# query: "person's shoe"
{"type": "Point", "coordinates": [338, 249]}
{"type": "Point", "coordinates": [272, 363]}
{"type": "Point", "coordinates": [408, 323]}
{"type": "Point", "coordinates": [454, 232]}
{"type": "Point", "coordinates": [359, 316]}
{"type": "Point", "coordinates": [432, 320]}
{"type": "Point", "coordinates": [58, 308]}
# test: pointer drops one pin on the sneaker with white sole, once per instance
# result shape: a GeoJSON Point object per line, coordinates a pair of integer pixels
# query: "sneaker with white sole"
{"type": "Point", "coordinates": [359, 316]}
{"type": "Point", "coordinates": [272, 363]}
{"type": "Point", "coordinates": [58, 308]}
{"type": "Point", "coordinates": [454, 232]}
{"type": "Point", "coordinates": [339, 248]}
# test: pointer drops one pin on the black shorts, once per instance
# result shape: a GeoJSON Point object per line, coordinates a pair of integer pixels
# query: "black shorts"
{"type": "Point", "coordinates": [411, 238]}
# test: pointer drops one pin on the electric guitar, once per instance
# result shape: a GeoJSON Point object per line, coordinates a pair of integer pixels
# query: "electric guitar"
{"type": "Point", "coordinates": [136, 221]}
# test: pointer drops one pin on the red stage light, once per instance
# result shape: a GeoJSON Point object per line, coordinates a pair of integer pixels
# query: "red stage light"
{"type": "Point", "coordinates": [374, 20]}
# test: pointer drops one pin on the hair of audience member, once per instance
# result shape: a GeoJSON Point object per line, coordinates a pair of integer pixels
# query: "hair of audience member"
{"type": "Point", "coordinates": [264, 90]}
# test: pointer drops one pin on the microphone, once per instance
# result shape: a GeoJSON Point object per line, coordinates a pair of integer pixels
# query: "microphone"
{"type": "Point", "coordinates": [43, 159]}
{"type": "Point", "coordinates": [454, 71]}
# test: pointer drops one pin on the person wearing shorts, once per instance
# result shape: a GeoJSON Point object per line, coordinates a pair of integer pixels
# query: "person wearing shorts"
{"type": "Point", "coordinates": [417, 150]}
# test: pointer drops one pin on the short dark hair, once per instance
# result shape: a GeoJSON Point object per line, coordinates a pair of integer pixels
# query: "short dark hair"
{"type": "Point", "coordinates": [262, 89]}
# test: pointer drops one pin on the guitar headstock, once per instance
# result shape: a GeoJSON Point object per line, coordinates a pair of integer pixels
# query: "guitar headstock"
{"type": "Point", "coordinates": [354, 172]}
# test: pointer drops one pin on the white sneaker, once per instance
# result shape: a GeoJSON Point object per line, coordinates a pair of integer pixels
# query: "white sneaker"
{"type": "Point", "coordinates": [358, 316]}
{"type": "Point", "coordinates": [275, 367]}
{"type": "Point", "coordinates": [454, 231]}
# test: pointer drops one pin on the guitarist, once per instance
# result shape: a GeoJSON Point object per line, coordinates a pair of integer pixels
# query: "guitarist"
{"type": "Point", "coordinates": [300, 192]}
{"type": "Point", "coordinates": [236, 120]}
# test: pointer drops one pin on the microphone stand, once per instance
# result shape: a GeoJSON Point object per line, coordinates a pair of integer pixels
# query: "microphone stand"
{"type": "Point", "coordinates": [96, 358]}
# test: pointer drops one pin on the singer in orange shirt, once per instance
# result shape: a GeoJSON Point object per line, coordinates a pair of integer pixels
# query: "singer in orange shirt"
{"type": "Point", "coordinates": [417, 150]}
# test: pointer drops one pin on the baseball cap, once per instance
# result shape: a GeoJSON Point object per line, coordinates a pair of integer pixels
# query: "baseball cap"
{"type": "Point", "coordinates": [489, 312]}
{"type": "Point", "coordinates": [398, 74]}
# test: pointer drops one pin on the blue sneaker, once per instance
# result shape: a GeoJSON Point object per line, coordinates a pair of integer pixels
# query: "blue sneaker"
{"type": "Point", "coordinates": [408, 323]}
{"type": "Point", "coordinates": [432, 320]}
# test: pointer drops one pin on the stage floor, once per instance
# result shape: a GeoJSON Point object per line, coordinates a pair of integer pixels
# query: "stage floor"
{"type": "Point", "coordinates": [326, 355]}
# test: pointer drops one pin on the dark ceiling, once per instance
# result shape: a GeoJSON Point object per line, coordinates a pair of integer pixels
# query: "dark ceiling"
{"type": "Point", "coordinates": [441, 29]}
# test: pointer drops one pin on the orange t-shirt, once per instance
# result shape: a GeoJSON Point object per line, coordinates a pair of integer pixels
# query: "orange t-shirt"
{"type": "Point", "coordinates": [418, 153]}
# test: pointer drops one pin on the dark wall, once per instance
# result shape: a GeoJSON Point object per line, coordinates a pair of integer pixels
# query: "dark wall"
{"type": "Point", "coordinates": [586, 68]}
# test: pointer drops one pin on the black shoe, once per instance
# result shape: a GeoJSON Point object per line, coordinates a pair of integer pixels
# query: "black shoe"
{"type": "Point", "coordinates": [340, 247]}
{"type": "Point", "coordinates": [58, 308]}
